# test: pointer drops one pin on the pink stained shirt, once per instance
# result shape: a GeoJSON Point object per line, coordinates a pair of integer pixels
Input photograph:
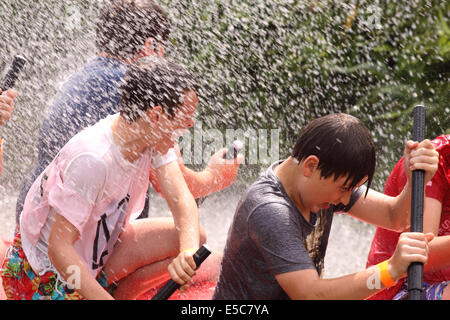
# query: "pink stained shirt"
{"type": "Point", "coordinates": [91, 185]}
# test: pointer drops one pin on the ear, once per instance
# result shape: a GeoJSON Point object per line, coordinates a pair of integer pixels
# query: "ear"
{"type": "Point", "coordinates": [309, 165]}
{"type": "Point", "coordinates": [154, 115]}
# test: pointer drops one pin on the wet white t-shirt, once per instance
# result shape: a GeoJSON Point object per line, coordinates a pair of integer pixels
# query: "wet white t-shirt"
{"type": "Point", "coordinates": [95, 188]}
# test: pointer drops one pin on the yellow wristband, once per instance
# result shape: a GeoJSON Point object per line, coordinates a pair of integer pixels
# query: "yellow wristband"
{"type": "Point", "coordinates": [186, 250]}
{"type": "Point", "coordinates": [385, 277]}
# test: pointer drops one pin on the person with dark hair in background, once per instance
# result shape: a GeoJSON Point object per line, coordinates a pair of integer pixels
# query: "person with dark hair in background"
{"type": "Point", "coordinates": [278, 238]}
{"type": "Point", "coordinates": [126, 31]}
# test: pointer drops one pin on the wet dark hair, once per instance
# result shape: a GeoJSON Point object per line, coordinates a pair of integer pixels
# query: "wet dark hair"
{"type": "Point", "coordinates": [343, 145]}
{"type": "Point", "coordinates": [153, 81]}
{"type": "Point", "coordinates": [123, 26]}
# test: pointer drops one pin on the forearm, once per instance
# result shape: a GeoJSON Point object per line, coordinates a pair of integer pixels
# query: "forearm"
{"type": "Point", "coordinates": [356, 286]}
{"type": "Point", "coordinates": [438, 257]}
{"type": "Point", "coordinates": [186, 219]}
{"type": "Point", "coordinates": [400, 210]}
{"type": "Point", "coordinates": [69, 265]}
{"type": "Point", "coordinates": [201, 183]}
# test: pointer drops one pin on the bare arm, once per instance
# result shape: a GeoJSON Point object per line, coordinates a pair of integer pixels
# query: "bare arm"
{"type": "Point", "coordinates": [63, 256]}
{"type": "Point", "coordinates": [6, 105]}
{"type": "Point", "coordinates": [440, 245]}
{"type": "Point", "coordinates": [306, 284]}
{"type": "Point", "coordinates": [218, 175]}
{"type": "Point", "coordinates": [394, 212]}
{"type": "Point", "coordinates": [382, 210]}
{"type": "Point", "coordinates": [185, 214]}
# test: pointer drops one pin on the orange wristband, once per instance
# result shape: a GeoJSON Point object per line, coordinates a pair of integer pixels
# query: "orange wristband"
{"type": "Point", "coordinates": [385, 277]}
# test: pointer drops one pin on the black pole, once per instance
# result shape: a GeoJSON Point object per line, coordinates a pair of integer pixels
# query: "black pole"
{"type": "Point", "coordinates": [11, 75]}
{"type": "Point", "coordinates": [415, 269]}
{"type": "Point", "coordinates": [169, 288]}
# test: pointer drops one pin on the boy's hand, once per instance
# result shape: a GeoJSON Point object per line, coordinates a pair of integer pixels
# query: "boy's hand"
{"type": "Point", "coordinates": [411, 247]}
{"type": "Point", "coordinates": [224, 171]}
{"type": "Point", "coordinates": [6, 105]}
{"type": "Point", "coordinates": [421, 156]}
{"type": "Point", "coordinates": [182, 268]}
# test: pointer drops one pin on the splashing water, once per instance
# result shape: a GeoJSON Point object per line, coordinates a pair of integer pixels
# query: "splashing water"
{"type": "Point", "coordinates": [264, 64]}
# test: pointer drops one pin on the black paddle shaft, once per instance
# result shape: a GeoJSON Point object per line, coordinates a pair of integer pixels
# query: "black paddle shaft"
{"type": "Point", "coordinates": [415, 269]}
{"type": "Point", "coordinates": [11, 75]}
{"type": "Point", "coordinates": [169, 288]}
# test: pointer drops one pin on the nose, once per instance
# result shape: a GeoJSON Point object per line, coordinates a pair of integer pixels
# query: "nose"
{"type": "Point", "coordinates": [345, 198]}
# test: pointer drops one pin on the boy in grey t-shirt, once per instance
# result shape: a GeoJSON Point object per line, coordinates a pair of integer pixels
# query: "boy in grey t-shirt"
{"type": "Point", "coordinates": [277, 241]}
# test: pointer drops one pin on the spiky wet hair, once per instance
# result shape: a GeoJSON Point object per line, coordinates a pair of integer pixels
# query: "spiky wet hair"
{"type": "Point", "coordinates": [154, 81]}
{"type": "Point", "coordinates": [343, 145]}
{"type": "Point", "coordinates": [123, 26]}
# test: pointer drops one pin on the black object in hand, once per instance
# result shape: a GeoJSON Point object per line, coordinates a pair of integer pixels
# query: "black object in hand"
{"type": "Point", "coordinates": [169, 288]}
{"type": "Point", "coordinates": [11, 75]}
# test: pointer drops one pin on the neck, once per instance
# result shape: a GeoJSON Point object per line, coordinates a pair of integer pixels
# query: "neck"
{"type": "Point", "coordinates": [288, 173]}
{"type": "Point", "coordinates": [129, 138]}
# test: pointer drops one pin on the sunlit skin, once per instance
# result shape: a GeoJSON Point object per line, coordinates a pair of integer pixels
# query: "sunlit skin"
{"type": "Point", "coordinates": [182, 120]}
{"type": "Point", "coordinates": [6, 109]}
{"type": "Point", "coordinates": [155, 129]}
{"type": "Point", "coordinates": [219, 173]}
{"type": "Point", "coordinates": [309, 190]}
{"type": "Point", "coordinates": [6, 105]}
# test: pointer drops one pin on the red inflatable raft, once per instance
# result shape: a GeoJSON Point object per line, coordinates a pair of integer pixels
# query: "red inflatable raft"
{"type": "Point", "coordinates": [201, 288]}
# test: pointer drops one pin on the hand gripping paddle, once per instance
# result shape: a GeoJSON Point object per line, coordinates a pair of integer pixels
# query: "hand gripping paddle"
{"type": "Point", "coordinates": [169, 288]}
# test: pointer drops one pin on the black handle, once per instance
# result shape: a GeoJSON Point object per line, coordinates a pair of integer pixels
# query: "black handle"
{"type": "Point", "coordinates": [11, 75]}
{"type": "Point", "coordinates": [415, 269]}
{"type": "Point", "coordinates": [169, 288]}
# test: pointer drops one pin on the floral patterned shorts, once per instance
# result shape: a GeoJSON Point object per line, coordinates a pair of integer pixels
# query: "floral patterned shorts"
{"type": "Point", "coordinates": [430, 291]}
{"type": "Point", "coordinates": [20, 282]}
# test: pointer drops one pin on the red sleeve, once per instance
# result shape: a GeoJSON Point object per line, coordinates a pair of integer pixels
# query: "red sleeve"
{"type": "Point", "coordinates": [437, 187]}
{"type": "Point", "coordinates": [396, 180]}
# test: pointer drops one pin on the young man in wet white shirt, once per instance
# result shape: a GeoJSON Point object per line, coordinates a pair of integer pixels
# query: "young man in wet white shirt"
{"type": "Point", "coordinates": [77, 214]}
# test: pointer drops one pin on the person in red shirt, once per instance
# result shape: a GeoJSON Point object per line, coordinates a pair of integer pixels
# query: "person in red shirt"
{"type": "Point", "coordinates": [436, 220]}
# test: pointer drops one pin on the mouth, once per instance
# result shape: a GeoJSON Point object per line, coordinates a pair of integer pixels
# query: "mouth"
{"type": "Point", "coordinates": [325, 206]}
